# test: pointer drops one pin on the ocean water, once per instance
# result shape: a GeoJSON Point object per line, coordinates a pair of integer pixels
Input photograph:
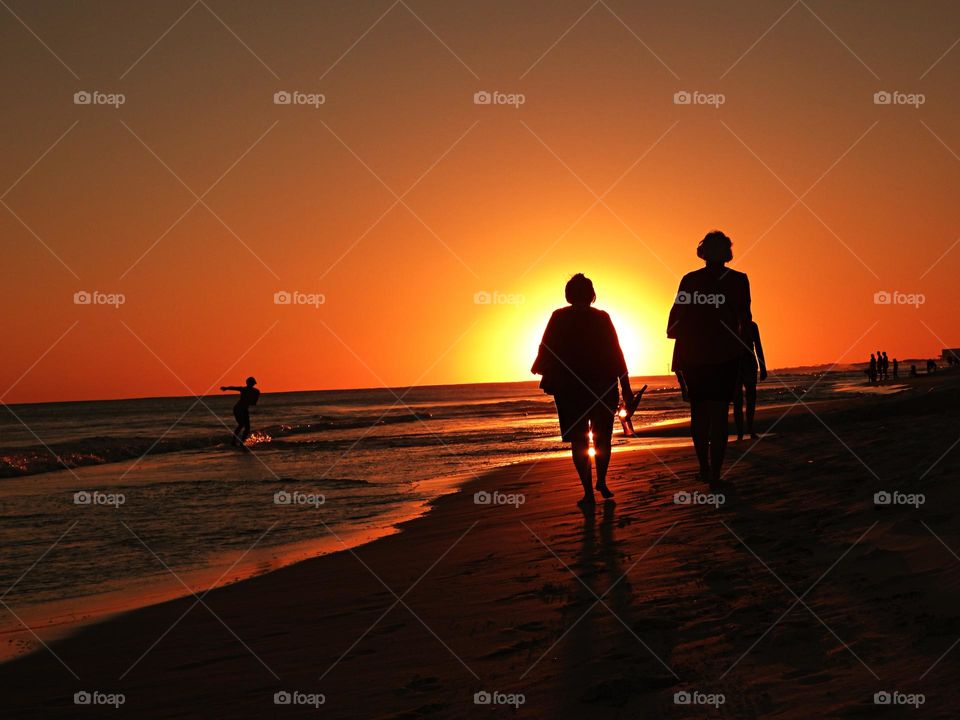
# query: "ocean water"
{"type": "Point", "coordinates": [155, 500]}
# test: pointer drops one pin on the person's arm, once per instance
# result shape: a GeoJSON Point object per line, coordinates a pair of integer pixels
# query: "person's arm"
{"type": "Point", "coordinates": [623, 376]}
{"type": "Point", "coordinates": [677, 311]}
{"type": "Point", "coordinates": [546, 359]}
{"type": "Point", "coordinates": [759, 347]}
{"type": "Point", "coordinates": [224, 388]}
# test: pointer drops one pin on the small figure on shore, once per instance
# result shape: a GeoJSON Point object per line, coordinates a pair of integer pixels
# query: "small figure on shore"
{"type": "Point", "coordinates": [752, 362]}
{"type": "Point", "coordinates": [872, 370]}
{"type": "Point", "coordinates": [241, 411]}
{"type": "Point", "coordinates": [913, 371]}
{"type": "Point", "coordinates": [581, 363]}
{"type": "Point", "coordinates": [896, 368]}
{"type": "Point", "coordinates": [885, 365]}
{"type": "Point", "coordinates": [931, 367]}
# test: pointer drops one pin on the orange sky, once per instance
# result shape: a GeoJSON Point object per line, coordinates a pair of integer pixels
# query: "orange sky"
{"type": "Point", "coordinates": [503, 200]}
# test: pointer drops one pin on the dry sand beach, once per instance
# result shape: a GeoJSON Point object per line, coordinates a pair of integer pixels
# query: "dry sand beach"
{"type": "Point", "coordinates": [798, 597]}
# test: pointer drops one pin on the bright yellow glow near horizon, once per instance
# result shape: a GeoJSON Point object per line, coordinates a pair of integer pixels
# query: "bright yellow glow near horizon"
{"type": "Point", "coordinates": [507, 340]}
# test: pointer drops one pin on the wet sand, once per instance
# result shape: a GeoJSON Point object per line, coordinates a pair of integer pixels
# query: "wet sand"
{"type": "Point", "coordinates": [797, 597]}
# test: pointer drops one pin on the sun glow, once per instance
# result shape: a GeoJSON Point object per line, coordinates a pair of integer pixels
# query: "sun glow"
{"type": "Point", "coordinates": [508, 336]}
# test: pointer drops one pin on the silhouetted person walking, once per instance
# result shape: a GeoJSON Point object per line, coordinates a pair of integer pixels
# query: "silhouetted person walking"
{"type": "Point", "coordinates": [752, 363]}
{"type": "Point", "coordinates": [872, 370]}
{"type": "Point", "coordinates": [581, 363]}
{"type": "Point", "coordinates": [709, 318]}
{"type": "Point", "coordinates": [241, 411]}
{"type": "Point", "coordinates": [896, 368]}
{"type": "Point", "coordinates": [885, 365]}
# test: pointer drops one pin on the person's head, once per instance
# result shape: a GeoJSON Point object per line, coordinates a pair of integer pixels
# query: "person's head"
{"type": "Point", "coordinates": [251, 381]}
{"type": "Point", "coordinates": [579, 290]}
{"type": "Point", "coordinates": [715, 248]}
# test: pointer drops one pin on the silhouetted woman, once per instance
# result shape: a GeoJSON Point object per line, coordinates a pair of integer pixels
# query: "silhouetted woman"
{"type": "Point", "coordinates": [581, 363]}
{"type": "Point", "coordinates": [708, 319]}
{"type": "Point", "coordinates": [752, 364]}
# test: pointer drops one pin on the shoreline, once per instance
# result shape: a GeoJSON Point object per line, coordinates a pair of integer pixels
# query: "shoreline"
{"type": "Point", "coordinates": [296, 617]}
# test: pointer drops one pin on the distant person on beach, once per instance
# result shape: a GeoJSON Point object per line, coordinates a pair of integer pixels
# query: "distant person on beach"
{"type": "Point", "coordinates": [931, 367]}
{"type": "Point", "coordinates": [872, 370]}
{"type": "Point", "coordinates": [913, 371]}
{"type": "Point", "coordinates": [709, 321]}
{"type": "Point", "coordinates": [885, 365]}
{"type": "Point", "coordinates": [241, 411]}
{"type": "Point", "coordinates": [581, 363]}
{"type": "Point", "coordinates": [752, 362]}
{"type": "Point", "coordinates": [896, 368]}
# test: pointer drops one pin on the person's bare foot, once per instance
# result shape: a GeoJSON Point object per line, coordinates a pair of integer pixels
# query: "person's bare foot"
{"type": "Point", "coordinates": [605, 491]}
{"type": "Point", "coordinates": [587, 501]}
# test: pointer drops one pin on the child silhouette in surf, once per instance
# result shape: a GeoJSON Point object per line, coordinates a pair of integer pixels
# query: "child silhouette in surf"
{"type": "Point", "coordinates": [241, 411]}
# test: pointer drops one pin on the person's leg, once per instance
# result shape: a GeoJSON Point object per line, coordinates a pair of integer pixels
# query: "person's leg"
{"type": "Point", "coordinates": [602, 442]}
{"type": "Point", "coordinates": [236, 433]}
{"type": "Point", "coordinates": [700, 429]}
{"type": "Point", "coordinates": [246, 428]}
{"type": "Point", "coordinates": [750, 394]}
{"type": "Point", "coordinates": [717, 412]}
{"type": "Point", "coordinates": [580, 447]}
{"type": "Point", "coordinates": [738, 410]}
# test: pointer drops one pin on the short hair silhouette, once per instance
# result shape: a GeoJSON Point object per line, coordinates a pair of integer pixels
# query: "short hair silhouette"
{"type": "Point", "coordinates": [715, 247]}
{"type": "Point", "coordinates": [251, 381]}
{"type": "Point", "coordinates": [580, 290]}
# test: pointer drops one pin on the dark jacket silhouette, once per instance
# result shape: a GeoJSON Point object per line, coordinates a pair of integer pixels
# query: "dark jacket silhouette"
{"type": "Point", "coordinates": [710, 333]}
{"type": "Point", "coordinates": [579, 351]}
